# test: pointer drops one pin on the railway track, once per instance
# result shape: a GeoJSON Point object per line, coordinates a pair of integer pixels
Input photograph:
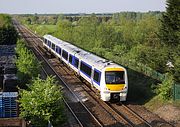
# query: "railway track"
{"type": "Point", "coordinates": [119, 111]}
{"type": "Point", "coordinates": [80, 112]}
{"type": "Point", "coordinates": [117, 114]}
{"type": "Point", "coordinates": [133, 118]}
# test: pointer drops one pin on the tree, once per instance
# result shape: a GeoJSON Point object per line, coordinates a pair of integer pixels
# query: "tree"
{"type": "Point", "coordinates": [28, 20]}
{"type": "Point", "coordinates": [108, 37]}
{"type": "Point", "coordinates": [165, 89]}
{"type": "Point", "coordinates": [27, 64]}
{"type": "Point", "coordinates": [170, 34]}
{"type": "Point", "coordinates": [8, 33]}
{"type": "Point", "coordinates": [170, 28]}
{"type": "Point", "coordinates": [64, 30]}
{"type": "Point", "coordinates": [35, 18]}
{"type": "Point", "coordinates": [42, 103]}
{"type": "Point", "coordinates": [88, 31]}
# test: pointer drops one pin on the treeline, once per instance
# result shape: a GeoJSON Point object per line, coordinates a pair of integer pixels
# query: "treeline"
{"type": "Point", "coordinates": [52, 19]}
{"type": "Point", "coordinates": [8, 33]}
{"type": "Point", "coordinates": [128, 36]}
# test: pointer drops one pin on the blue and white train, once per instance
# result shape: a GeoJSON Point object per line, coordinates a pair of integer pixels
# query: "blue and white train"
{"type": "Point", "coordinates": [109, 78]}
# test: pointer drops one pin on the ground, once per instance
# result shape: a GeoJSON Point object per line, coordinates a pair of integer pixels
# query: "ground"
{"type": "Point", "coordinates": [169, 113]}
{"type": "Point", "coordinates": [168, 110]}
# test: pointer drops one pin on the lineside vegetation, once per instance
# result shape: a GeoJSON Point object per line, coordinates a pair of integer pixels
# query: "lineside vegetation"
{"type": "Point", "coordinates": [8, 33]}
{"type": "Point", "coordinates": [27, 64]}
{"type": "Point", "coordinates": [42, 103]}
{"type": "Point", "coordinates": [147, 39]}
{"type": "Point", "coordinates": [40, 100]}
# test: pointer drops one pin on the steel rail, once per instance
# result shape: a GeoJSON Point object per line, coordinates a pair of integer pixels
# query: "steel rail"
{"type": "Point", "coordinates": [64, 81]}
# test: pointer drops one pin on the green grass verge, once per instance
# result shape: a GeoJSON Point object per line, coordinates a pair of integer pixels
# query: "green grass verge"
{"type": "Point", "coordinates": [156, 103]}
{"type": "Point", "coordinates": [43, 29]}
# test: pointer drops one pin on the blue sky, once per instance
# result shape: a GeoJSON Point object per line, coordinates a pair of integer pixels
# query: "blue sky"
{"type": "Point", "coordinates": [79, 6]}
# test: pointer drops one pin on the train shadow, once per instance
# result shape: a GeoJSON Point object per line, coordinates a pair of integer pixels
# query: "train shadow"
{"type": "Point", "coordinates": [141, 88]}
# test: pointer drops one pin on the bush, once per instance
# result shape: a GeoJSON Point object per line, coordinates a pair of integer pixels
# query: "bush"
{"type": "Point", "coordinates": [42, 103]}
{"type": "Point", "coordinates": [8, 33]}
{"type": "Point", "coordinates": [27, 64]}
{"type": "Point", "coordinates": [164, 90]}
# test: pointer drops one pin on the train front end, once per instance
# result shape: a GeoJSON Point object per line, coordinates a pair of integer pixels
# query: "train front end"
{"type": "Point", "coordinates": [115, 84]}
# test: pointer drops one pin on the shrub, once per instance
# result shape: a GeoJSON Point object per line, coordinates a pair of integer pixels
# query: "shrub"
{"type": "Point", "coordinates": [42, 103]}
{"type": "Point", "coordinates": [8, 33]}
{"type": "Point", "coordinates": [27, 64]}
{"type": "Point", "coordinates": [164, 90]}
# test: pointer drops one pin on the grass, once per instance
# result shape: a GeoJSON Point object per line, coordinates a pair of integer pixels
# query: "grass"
{"type": "Point", "coordinates": [176, 103]}
{"type": "Point", "coordinates": [43, 29]}
{"type": "Point", "coordinates": [156, 103]}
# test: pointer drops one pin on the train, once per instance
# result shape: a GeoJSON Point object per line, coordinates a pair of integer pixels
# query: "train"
{"type": "Point", "coordinates": [109, 78]}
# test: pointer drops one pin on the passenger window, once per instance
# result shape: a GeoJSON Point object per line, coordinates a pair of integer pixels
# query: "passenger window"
{"type": "Point", "coordinates": [76, 62]}
{"type": "Point", "coordinates": [86, 69]}
{"type": "Point", "coordinates": [97, 76]}
{"type": "Point", "coordinates": [65, 55]}
{"type": "Point", "coordinates": [45, 41]}
{"type": "Point", "coordinates": [70, 59]}
{"type": "Point", "coordinates": [57, 49]}
{"type": "Point", "coordinates": [53, 46]}
{"type": "Point", "coordinates": [49, 43]}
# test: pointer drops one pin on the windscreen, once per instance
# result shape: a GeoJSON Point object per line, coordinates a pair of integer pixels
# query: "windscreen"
{"type": "Point", "coordinates": [114, 77]}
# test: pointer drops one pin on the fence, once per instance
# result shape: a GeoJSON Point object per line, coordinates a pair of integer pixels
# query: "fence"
{"type": "Point", "coordinates": [176, 92]}
{"type": "Point", "coordinates": [132, 64]}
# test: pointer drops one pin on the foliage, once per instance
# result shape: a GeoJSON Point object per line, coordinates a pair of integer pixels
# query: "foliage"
{"type": "Point", "coordinates": [5, 20]}
{"type": "Point", "coordinates": [176, 70]}
{"type": "Point", "coordinates": [27, 64]}
{"type": "Point", "coordinates": [170, 28]}
{"type": "Point", "coordinates": [127, 35]}
{"type": "Point", "coordinates": [170, 35]}
{"type": "Point", "coordinates": [128, 38]}
{"type": "Point", "coordinates": [8, 34]}
{"type": "Point", "coordinates": [42, 103]}
{"type": "Point", "coordinates": [43, 29]}
{"type": "Point", "coordinates": [164, 90]}
{"type": "Point", "coordinates": [64, 27]}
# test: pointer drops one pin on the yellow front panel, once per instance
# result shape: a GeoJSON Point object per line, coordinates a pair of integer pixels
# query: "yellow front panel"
{"type": "Point", "coordinates": [114, 69]}
{"type": "Point", "coordinates": [115, 87]}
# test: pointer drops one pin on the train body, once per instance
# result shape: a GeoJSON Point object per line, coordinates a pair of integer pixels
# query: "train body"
{"type": "Point", "coordinates": [109, 78]}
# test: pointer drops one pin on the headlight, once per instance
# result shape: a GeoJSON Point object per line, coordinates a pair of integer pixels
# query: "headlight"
{"type": "Point", "coordinates": [125, 88]}
{"type": "Point", "coordinates": [122, 94]}
{"type": "Point", "coordinates": [106, 88]}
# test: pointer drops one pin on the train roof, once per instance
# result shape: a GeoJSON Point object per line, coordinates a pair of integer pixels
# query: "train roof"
{"type": "Point", "coordinates": [88, 57]}
{"type": "Point", "coordinates": [55, 40]}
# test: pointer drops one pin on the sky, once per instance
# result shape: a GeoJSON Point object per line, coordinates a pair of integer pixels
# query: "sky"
{"type": "Point", "coordinates": [79, 6]}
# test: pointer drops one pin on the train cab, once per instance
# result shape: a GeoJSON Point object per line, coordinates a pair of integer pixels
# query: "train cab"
{"type": "Point", "coordinates": [115, 84]}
